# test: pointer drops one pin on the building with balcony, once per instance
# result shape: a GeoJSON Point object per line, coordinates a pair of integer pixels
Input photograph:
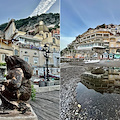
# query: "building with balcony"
{"type": "Point", "coordinates": [97, 44]}
{"type": "Point", "coordinates": [28, 46]}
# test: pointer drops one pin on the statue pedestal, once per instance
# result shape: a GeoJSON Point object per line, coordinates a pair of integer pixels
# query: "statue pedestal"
{"type": "Point", "coordinates": [15, 115]}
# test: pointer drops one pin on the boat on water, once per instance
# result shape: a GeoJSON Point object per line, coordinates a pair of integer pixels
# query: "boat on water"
{"type": "Point", "coordinates": [91, 61]}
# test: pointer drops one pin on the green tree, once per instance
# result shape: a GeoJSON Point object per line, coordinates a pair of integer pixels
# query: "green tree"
{"type": "Point", "coordinates": [33, 92]}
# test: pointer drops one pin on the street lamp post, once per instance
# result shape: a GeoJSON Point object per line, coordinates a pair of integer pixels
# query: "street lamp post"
{"type": "Point", "coordinates": [46, 55]}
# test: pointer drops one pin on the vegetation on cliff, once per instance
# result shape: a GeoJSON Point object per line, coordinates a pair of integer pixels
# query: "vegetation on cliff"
{"type": "Point", "coordinates": [28, 23]}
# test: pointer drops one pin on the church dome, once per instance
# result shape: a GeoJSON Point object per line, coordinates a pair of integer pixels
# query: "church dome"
{"type": "Point", "coordinates": [41, 23]}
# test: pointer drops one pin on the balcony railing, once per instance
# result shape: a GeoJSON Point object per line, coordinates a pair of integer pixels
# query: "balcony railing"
{"type": "Point", "coordinates": [30, 46]}
{"type": "Point", "coordinates": [88, 47]}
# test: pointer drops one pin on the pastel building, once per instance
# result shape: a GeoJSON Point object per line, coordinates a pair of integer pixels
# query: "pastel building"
{"type": "Point", "coordinates": [28, 46]}
{"type": "Point", "coordinates": [97, 43]}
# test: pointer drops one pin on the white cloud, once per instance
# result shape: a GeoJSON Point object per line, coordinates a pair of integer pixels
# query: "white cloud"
{"type": "Point", "coordinates": [43, 7]}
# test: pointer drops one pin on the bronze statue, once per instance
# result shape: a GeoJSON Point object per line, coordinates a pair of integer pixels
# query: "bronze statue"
{"type": "Point", "coordinates": [17, 87]}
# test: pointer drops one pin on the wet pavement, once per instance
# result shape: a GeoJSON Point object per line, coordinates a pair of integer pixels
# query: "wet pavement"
{"type": "Point", "coordinates": [99, 106]}
{"type": "Point", "coordinates": [98, 95]}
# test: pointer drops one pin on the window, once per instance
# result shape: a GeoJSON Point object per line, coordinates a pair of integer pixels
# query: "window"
{"type": "Point", "coordinates": [16, 52]}
{"type": "Point", "coordinates": [53, 40]}
{"type": "Point", "coordinates": [26, 58]}
{"type": "Point", "coordinates": [106, 35]}
{"type": "Point", "coordinates": [53, 49]}
{"type": "Point", "coordinates": [99, 44]}
{"type": "Point", "coordinates": [46, 35]}
{"type": "Point", "coordinates": [35, 59]}
{"type": "Point", "coordinates": [92, 35]}
{"type": "Point", "coordinates": [22, 40]}
{"type": "Point", "coordinates": [3, 57]}
{"type": "Point", "coordinates": [99, 35]}
{"type": "Point", "coordinates": [26, 52]}
{"type": "Point", "coordinates": [88, 37]}
{"type": "Point", "coordinates": [112, 45]}
{"type": "Point", "coordinates": [41, 34]}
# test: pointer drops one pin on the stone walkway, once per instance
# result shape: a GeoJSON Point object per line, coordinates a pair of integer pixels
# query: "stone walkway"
{"type": "Point", "coordinates": [46, 105]}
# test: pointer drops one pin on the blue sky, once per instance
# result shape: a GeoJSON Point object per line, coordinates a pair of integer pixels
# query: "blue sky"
{"type": "Point", "coordinates": [56, 7]}
{"type": "Point", "coordinates": [18, 9]}
{"type": "Point", "coordinates": [79, 15]}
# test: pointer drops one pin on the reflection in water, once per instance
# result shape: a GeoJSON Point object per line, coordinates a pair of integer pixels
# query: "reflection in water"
{"type": "Point", "coordinates": [94, 104]}
{"type": "Point", "coordinates": [109, 82]}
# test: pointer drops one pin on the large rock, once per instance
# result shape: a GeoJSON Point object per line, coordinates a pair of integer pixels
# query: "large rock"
{"type": "Point", "coordinates": [99, 70]}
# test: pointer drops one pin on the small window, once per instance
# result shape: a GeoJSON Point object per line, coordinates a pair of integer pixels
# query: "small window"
{"type": "Point", "coordinates": [88, 37]}
{"type": "Point", "coordinates": [3, 57]}
{"type": "Point", "coordinates": [54, 50]}
{"type": "Point", "coordinates": [41, 34]}
{"type": "Point", "coordinates": [26, 59]}
{"type": "Point", "coordinates": [99, 35]}
{"type": "Point", "coordinates": [16, 52]}
{"type": "Point", "coordinates": [35, 60]}
{"type": "Point", "coordinates": [46, 35]}
{"type": "Point", "coordinates": [106, 35]}
{"type": "Point", "coordinates": [26, 52]}
{"type": "Point", "coordinates": [53, 40]}
{"type": "Point", "coordinates": [35, 53]}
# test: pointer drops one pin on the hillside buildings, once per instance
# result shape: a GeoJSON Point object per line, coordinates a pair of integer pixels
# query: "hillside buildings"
{"type": "Point", "coordinates": [28, 46]}
{"type": "Point", "coordinates": [101, 43]}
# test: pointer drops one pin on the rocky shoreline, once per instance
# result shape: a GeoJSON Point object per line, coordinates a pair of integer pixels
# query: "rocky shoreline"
{"type": "Point", "coordinates": [70, 76]}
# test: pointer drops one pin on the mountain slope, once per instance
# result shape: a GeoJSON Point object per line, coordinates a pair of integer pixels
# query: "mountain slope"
{"type": "Point", "coordinates": [28, 23]}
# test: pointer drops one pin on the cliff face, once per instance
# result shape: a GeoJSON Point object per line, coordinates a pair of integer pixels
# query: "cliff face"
{"type": "Point", "coordinates": [28, 23]}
